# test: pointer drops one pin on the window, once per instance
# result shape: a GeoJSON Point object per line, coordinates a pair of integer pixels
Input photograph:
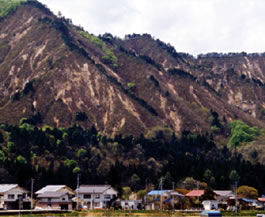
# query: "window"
{"type": "Point", "coordinates": [11, 196]}
{"type": "Point", "coordinates": [63, 199]}
{"type": "Point", "coordinates": [96, 204]}
{"type": "Point", "coordinates": [107, 196]}
{"type": "Point", "coordinates": [87, 196]}
{"type": "Point", "coordinates": [49, 199]}
{"type": "Point", "coordinates": [97, 196]}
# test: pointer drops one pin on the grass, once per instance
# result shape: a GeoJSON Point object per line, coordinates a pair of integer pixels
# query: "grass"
{"type": "Point", "coordinates": [109, 57]}
{"type": "Point", "coordinates": [7, 6]}
{"type": "Point", "coordinates": [140, 213]}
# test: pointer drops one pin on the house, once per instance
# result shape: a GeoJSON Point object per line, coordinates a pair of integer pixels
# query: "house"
{"type": "Point", "coordinates": [13, 197]}
{"type": "Point", "coordinates": [175, 200]}
{"type": "Point", "coordinates": [97, 196]}
{"type": "Point", "coordinates": [226, 198]}
{"type": "Point", "coordinates": [262, 201]}
{"type": "Point", "coordinates": [249, 204]}
{"type": "Point", "coordinates": [210, 204]}
{"type": "Point", "coordinates": [58, 197]}
{"type": "Point", "coordinates": [155, 197]}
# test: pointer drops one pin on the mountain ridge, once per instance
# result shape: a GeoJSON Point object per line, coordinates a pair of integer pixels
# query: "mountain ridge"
{"type": "Point", "coordinates": [122, 86]}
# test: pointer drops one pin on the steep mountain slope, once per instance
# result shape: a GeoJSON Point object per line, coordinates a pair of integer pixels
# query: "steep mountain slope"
{"type": "Point", "coordinates": [57, 74]}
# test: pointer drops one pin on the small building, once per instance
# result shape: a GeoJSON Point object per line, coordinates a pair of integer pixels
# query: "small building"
{"type": "Point", "coordinates": [13, 197]}
{"type": "Point", "coordinates": [56, 197]}
{"type": "Point", "coordinates": [131, 204]}
{"type": "Point", "coordinates": [97, 196]}
{"type": "Point", "coordinates": [210, 204]}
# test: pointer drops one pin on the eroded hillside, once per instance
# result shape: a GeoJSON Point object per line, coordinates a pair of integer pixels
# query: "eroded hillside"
{"type": "Point", "coordinates": [51, 71]}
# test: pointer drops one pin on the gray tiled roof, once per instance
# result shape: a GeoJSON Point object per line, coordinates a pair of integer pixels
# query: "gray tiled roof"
{"type": "Point", "coordinates": [223, 193]}
{"type": "Point", "coordinates": [50, 188]}
{"type": "Point", "coordinates": [93, 188]}
{"type": "Point", "coordinates": [7, 187]}
{"type": "Point", "coordinates": [52, 194]}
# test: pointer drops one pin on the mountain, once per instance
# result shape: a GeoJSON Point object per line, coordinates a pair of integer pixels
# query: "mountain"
{"type": "Point", "coordinates": [128, 111]}
{"type": "Point", "coordinates": [54, 73]}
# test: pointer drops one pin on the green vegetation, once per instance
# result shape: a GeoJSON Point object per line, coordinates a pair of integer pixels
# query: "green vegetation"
{"type": "Point", "coordinates": [247, 192]}
{"type": "Point", "coordinates": [109, 57]}
{"type": "Point", "coordinates": [241, 133]}
{"type": "Point", "coordinates": [7, 7]}
{"type": "Point", "coordinates": [131, 85]}
{"type": "Point", "coordinates": [52, 155]}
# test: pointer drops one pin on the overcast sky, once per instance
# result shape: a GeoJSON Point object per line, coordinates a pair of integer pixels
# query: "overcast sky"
{"type": "Point", "coordinates": [191, 26]}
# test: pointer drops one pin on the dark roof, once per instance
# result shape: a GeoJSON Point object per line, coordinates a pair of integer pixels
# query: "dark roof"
{"type": "Point", "coordinates": [52, 194]}
{"type": "Point", "coordinates": [93, 188]}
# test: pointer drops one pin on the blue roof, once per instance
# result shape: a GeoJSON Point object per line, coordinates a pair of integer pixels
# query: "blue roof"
{"type": "Point", "coordinates": [249, 200]}
{"type": "Point", "coordinates": [211, 213]}
{"type": "Point", "coordinates": [157, 192]}
{"type": "Point", "coordinates": [156, 199]}
{"type": "Point", "coordinates": [168, 200]}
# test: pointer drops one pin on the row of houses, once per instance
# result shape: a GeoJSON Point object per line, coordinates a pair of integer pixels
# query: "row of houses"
{"type": "Point", "coordinates": [222, 199]}
{"type": "Point", "coordinates": [58, 197]}
{"type": "Point", "coordinates": [61, 197]}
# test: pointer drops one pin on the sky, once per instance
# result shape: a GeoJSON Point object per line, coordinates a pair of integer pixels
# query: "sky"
{"type": "Point", "coordinates": [191, 26]}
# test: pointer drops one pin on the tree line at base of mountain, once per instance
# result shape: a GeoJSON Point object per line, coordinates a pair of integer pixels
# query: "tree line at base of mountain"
{"type": "Point", "coordinates": [56, 155]}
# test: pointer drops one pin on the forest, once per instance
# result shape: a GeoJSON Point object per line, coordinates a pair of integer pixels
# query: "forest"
{"type": "Point", "coordinates": [52, 155]}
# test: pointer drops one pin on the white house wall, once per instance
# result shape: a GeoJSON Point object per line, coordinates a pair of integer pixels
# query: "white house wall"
{"type": "Point", "coordinates": [15, 192]}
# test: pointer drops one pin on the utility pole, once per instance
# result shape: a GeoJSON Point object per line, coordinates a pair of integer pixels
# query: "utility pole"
{"type": "Point", "coordinates": [77, 187]}
{"type": "Point", "coordinates": [173, 188]}
{"type": "Point", "coordinates": [198, 184]}
{"type": "Point", "coordinates": [31, 195]}
{"type": "Point", "coordinates": [161, 189]}
{"type": "Point", "coordinates": [236, 196]}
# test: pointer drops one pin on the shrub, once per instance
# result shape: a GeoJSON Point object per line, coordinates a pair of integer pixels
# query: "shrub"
{"type": "Point", "coordinates": [241, 132]}
{"type": "Point", "coordinates": [7, 7]}
{"type": "Point", "coordinates": [109, 57]}
{"type": "Point", "coordinates": [132, 85]}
